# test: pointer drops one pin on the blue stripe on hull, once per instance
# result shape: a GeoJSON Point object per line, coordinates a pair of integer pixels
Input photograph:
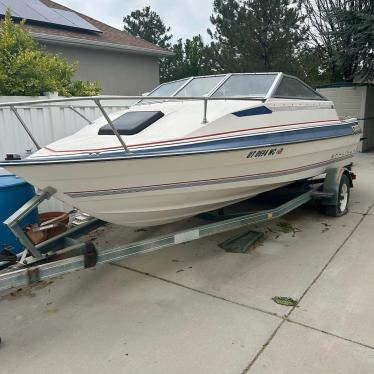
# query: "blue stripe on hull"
{"type": "Point", "coordinates": [221, 144]}
{"type": "Point", "coordinates": [278, 138]}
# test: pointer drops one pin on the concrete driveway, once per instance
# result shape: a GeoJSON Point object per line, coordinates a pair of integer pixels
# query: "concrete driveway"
{"type": "Point", "coordinates": [194, 308]}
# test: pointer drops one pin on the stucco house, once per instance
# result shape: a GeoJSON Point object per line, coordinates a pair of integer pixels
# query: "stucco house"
{"type": "Point", "coordinates": [121, 63]}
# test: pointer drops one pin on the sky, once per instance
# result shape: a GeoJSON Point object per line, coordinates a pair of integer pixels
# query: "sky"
{"type": "Point", "coordinates": [185, 17]}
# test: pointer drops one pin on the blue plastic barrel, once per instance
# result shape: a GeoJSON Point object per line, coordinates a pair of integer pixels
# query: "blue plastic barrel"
{"type": "Point", "coordinates": [14, 192]}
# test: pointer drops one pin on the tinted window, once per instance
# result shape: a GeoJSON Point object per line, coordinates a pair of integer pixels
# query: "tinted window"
{"type": "Point", "coordinates": [246, 85]}
{"type": "Point", "coordinates": [200, 86]}
{"type": "Point", "coordinates": [293, 88]}
{"type": "Point", "coordinates": [168, 89]}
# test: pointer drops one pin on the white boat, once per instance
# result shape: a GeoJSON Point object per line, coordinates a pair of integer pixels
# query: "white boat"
{"type": "Point", "coordinates": [192, 146]}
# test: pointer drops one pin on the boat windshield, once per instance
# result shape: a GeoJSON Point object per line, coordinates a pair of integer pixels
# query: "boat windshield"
{"type": "Point", "coordinates": [165, 89]}
{"type": "Point", "coordinates": [251, 85]}
{"type": "Point", "coordinates": [168, 89]}
{"type": "Point", "coordinates": [256, 85]}
{"type": "Point", "coordinates": [235, 85]}
{"type": "Point", "coordinates": [200, 86]}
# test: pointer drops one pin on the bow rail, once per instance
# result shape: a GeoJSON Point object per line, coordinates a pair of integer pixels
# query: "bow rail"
{"type": "Point", "coordinates": [13, 106]}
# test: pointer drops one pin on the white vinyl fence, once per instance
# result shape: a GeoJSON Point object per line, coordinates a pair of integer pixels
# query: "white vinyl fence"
{"type": "Point", "coordinates": [47, 123]}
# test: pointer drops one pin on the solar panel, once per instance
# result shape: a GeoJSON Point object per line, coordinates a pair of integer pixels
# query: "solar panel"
{"type": "Point", "coordinates": [21, 9]}
{"type": "Point", "coordinates": [35, 10]}
{"type": "Point", "coordinates": [2, 8]}
{"type": "Point", "coordinates": [76, 20]}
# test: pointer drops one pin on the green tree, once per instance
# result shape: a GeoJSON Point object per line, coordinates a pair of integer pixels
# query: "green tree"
{"type": "Point", "coordinates": [191, 58]}
{"type": "Point", "coordinates": [231, 36]}
{"type": "Point", "coordinates": [26, 69]}
{"type": "Point", "coordinates": [148, 25]}
{"type": "Point", "coordinates": [309, 66]}
{"type": "Point", "coordinates": [343, 32]}
{"type": "Point", "coordinates": [257, 35]}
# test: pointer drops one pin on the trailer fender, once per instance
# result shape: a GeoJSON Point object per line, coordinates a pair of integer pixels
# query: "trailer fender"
{"type": "Point", "coordinates": [331, 184]}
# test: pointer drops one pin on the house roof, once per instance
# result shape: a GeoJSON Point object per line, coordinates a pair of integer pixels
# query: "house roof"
{"type": "Point", "coordinates": [109, 38]}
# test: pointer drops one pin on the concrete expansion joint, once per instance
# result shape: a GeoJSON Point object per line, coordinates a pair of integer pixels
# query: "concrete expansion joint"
{"type": "Point", "coordinates": [329, 333]}
{"type": "Point", "coordinates": [362, 214]}
{"type": "Point", "coordinates": [314, 281]}
{"type": "Point", "coordinates": [367, 213]}
{"type": "Point", "coordinates": [272, 314]}
{"type": "Point", "coordinates": [261, 351]}
{"type": "Point", "coordinates": [285, 318]}
{"type": "Point", "coordinates": [333, 256]}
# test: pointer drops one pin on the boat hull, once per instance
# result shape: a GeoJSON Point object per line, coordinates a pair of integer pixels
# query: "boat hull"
{"type": "Point", "coordinates": [149, 191]}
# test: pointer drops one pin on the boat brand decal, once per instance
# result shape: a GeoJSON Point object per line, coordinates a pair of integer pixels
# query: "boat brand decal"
{"type": "Point", "coordinates": [265, 152]}
{"type": "Point", "coordinates": [253, 112]}
{"type": "Point", "coordinates": [356, 128]}
{"type": "Point", "coordinates": [342, 154]}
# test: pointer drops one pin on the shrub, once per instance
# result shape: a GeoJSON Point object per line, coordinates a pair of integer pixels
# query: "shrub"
{"type": "Point", "coordinates": [26, 69]}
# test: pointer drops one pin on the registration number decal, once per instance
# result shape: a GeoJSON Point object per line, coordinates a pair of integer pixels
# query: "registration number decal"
{"type": "Point", "coordinates": [265, 152]}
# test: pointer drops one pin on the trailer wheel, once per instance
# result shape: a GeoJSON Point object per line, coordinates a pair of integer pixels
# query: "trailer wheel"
{"type": "Point", "coordinates": [341, 207]}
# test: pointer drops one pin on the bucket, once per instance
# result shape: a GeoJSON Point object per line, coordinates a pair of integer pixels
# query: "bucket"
{"type": "Point", "coordinates": [14, 192]}
{"type": "Point", "coordinates": [55, 223]}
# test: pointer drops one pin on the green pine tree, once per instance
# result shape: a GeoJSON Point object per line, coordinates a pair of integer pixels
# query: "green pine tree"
{"type": "Point", "coordinates": [148, 25]}
{"type": "Point", "coordinates": [343, 32]}
{"type": "Point", "coordinates": [257, 35]}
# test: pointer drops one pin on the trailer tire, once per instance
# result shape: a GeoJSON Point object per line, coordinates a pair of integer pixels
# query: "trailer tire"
{"type": "Point", "coordinates": [341, 208]}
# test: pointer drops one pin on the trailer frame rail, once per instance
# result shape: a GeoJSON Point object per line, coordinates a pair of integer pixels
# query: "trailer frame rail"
{"type": "Point", "coordinates": [80, 255]}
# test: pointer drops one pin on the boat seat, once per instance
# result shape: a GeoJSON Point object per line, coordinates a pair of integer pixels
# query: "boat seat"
{"type": "Point", "coordinates": [132, 123]}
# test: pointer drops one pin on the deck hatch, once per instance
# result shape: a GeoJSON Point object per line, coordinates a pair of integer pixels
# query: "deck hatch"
{"type": "Point", "coordinates": [132, 123]}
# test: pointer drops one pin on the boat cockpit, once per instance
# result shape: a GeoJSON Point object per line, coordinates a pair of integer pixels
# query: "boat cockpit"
{"type": "Point", "coordinates": [252, 86]}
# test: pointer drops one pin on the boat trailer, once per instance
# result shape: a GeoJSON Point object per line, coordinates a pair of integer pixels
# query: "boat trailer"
{"type": "Point", "coordinates": [64, 253]}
